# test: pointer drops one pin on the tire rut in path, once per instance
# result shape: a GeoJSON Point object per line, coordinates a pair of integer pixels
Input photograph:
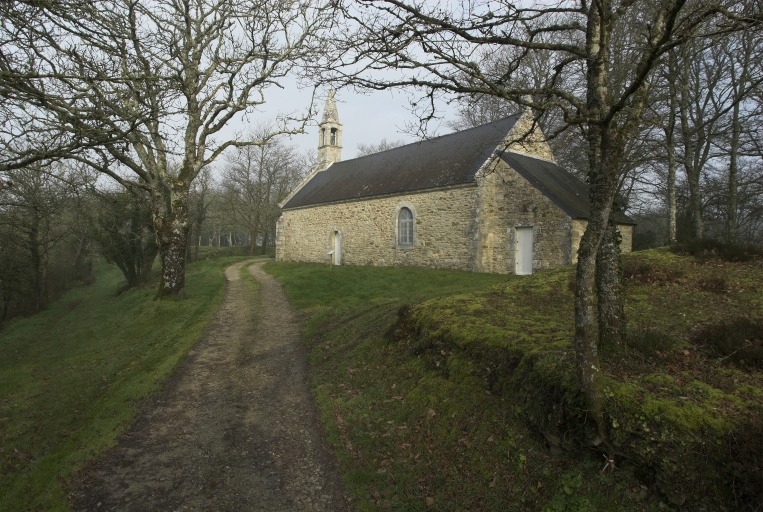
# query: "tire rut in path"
{"type": "Point", "coordinates": [235, 428]}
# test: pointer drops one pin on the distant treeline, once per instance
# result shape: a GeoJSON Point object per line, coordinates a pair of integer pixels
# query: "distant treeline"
{"type": "Point", "coordinates": [55, 219]}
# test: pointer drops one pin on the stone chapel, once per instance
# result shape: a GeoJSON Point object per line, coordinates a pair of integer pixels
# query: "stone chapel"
{"type": "Point", "coordinates": [486, 199]}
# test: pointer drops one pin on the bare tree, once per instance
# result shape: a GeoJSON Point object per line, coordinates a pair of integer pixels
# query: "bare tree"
{"type": "Point", "coordinates": [441, 48]}
{"type": "Point", "coordinates": [142, 90]}
{"type": "Point", "coordinates": [124, 232]}
{"type": "Point", "coordinates": [43, 241]}
{"type": "Point", "coordinates": [745, 77]}
{"type": "Point", "coordinates": [254, 179]}
{"type": "Point", "coordinates": [200, 200]}
{"type": "Point", "coordinates": [383, 145]}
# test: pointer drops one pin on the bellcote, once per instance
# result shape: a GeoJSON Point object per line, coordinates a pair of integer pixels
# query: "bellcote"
{"type": "Point", "coordinates": [329, 134]}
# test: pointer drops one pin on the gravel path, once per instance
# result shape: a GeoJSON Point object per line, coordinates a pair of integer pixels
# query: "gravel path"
{"type": "Point", "coordinates": [235, 428]}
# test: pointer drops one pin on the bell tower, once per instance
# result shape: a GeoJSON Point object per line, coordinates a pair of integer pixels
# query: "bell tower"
{"type": "Point", "coordinates": [329, 134]}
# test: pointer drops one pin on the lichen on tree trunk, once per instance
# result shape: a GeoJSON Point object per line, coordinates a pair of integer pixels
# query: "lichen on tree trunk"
{"type": "Point", "coordinates": [170, 211]}
{"type": "Point", "coordinates": [610, 290]}
{"type": "Point", "coordinates": [586, 350]}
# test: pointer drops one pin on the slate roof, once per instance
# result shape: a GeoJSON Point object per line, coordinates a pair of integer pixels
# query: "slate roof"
{"type": "Point", "coordinates": [562, 187]}
{"type": "Point", "coordinates": [451, 159]}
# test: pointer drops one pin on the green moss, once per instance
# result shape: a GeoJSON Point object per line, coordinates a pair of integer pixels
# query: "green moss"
{"type": "Point", "coordinates": [675, 418]}
{"type": "Point", "coordinates": [659, 378]}
{"type": "Point", "coordinates": [750, 390]}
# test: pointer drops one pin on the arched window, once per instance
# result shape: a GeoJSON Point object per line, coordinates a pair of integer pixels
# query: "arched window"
{"type": "Point", "coordinates": [405, 227]}
{"type": "Point", "coordinates": [333, 136]}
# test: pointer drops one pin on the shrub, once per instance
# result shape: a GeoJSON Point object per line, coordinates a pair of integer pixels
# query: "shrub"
{"type": "Point", "coordinates": [713, 285]}
{"type": "Point", "coordinates": [708, 248]}
{"type": "Point", "coordinates": [739, 340]}
{"type": "Point", "coordinates": [642, 273]}
{"type": "Point", "coordinates": [649, 341]}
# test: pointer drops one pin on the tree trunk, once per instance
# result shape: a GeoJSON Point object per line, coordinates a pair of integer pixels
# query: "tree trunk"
{"type": "Point", "coordinates": [731, 224]}
{"type": "Point", "coordinates": [265, 241]}
{"type": "Point", "coordinates": [692, 170]}
{"type": "Point", "coordinates": [196, 248]}
{"type": "Point", "coordinates": [602, 177]}
{"type": "Point", "coordinates": [610, 289]}
{"type": "Point", "coordinates": [252, 241]}
{"type": "Point", "coordinates": [188, 248]}
{"type": "Point", "coordinates": [170, 213]}
{"type": "Point", "coordinates": [695, 202]}
{"type": "Point", "coordinates": [670, 146]}
{"type": "Point", "coordinates": [586, 335]}
{"type": "Point", "coordinates": [672, 206]}
{"type": "Point", "coordinates": [36, 260]}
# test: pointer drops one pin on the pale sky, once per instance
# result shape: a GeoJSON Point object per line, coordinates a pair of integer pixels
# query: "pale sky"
{"type": "Point", "coordinates": [366, 118]}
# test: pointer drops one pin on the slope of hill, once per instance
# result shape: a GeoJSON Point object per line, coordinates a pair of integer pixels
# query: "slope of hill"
{"type": "Point", "coordinates": [73, 377]}
{"type": "Point", "coordinates": [469, 400]}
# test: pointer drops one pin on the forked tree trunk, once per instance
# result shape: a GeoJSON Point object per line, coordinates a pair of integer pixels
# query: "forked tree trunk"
{"type": "Point", "coordinates": [601, 183]}
{"type": "Point", "coordinates": [170, 212]}
{"type": "Point", "coordinates": [610, 290]}
{"type": "Point", "coordinates": [691, 167]}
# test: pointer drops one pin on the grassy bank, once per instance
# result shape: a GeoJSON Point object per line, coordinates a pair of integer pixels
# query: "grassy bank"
{"type": "Point", "coordinates": [415, 432]}
{"type": "Point", "coordinates": [684, 399]}
{"type": "Point", "coordinates": [73, 377]}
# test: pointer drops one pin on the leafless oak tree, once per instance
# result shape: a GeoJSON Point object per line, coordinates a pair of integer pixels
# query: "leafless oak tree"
{"type": "Point", "coordinates": [142, 90]}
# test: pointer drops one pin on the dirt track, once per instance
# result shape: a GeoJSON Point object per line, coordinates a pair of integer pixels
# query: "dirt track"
{"type": "Point", "coordinates": [235, 428]}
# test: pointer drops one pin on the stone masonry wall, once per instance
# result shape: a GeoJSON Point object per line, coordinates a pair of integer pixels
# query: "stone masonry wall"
{"type": "Point", "coordinates": [443, 230]}
{"type": "Point", "coordinates": [579, 226]}
{"type": "Point", "coordinates": [507, 201]}
{"type": "Point", "coordinates": [527, 138]}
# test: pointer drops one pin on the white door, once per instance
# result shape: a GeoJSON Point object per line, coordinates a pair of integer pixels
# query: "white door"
{"type": "Point", "coordinates": [524, 256]}
{"type": "Point", "coordinates": [337, 248]}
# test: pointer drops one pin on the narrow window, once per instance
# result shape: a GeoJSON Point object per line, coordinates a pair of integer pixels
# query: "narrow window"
{"type": "Point", "coordinates": [333, 136]}
{"type": "Point", "coordinates": [405, 227]}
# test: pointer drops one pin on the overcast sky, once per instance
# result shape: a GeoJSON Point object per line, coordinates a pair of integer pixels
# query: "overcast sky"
{"type": "Point", "coordinates": [366, 118]}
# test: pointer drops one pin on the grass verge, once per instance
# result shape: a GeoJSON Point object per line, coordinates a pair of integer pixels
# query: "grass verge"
{"type": "Point", "coordinates": [73, 377]}
{"type": "Point", "coordinates": [415, 432]}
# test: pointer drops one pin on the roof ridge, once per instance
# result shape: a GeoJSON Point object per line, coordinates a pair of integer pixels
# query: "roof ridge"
{"type": "Point", "coordinates": [518, 114]}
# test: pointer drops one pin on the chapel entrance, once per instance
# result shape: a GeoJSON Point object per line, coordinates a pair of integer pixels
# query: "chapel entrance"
{"type": "Point", "coordinates": [336, 243]}
{"type": "Point", "coordinates": [523, 260]}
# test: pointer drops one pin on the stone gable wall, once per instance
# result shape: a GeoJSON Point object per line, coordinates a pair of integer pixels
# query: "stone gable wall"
{"type": "Point", "coordinates": [443, 231]}
{"type": "Point", "coordinates": [578, 228]}
{"type": "Point", "coordinates": [507, 201]}
{"type": "Point", "coordinates": [527, 138]}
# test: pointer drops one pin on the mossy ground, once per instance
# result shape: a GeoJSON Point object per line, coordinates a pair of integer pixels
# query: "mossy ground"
{"type": "Point", "coordinates": [73, 377]}
{"type": "Point", "coordinates": [689, 421]}
{"type": "Point", "coordinates": [415, 427]}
